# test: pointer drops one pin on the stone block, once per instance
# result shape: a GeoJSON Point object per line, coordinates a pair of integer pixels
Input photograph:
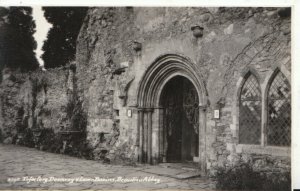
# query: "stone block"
{"type": "Point", "coordinates": [8, 140]}
{"type": "Point", "coordinates": [211, 37]}
{"type": "Point", "coordinates": [101, 125]}
{"type": "Point", "coordinates": [229, 29]}
{"type": "Point", "coordinates": [208, 165]}
{"type": "Point", "coordinates": [239, 149]}
{"type": "Point", "coordinates": [233, 127]}
{"type": "Point", "coordinates": [230, 147]}
{"type": "Point", "coordinates": [211, 123]}
{"type": "Point", "coordinates": [213, 156]}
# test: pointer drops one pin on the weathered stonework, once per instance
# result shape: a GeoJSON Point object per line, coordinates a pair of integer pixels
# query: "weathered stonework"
{"type": "Point", "coordinates": [111, 76]}
{"type": "Point", "coordinates": [37, 100]}
{"type": "Point", "coordinates": [234, 40]}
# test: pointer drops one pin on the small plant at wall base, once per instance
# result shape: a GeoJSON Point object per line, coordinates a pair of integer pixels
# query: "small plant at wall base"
{"type": "Point", "coordinates": [28, 138]}
{"type": "Point", "coordinates": [77, 145]}
{"type": "Point", "coordinates": [244, 177]}
{"type": "Point", "coordinates": [49, 141]}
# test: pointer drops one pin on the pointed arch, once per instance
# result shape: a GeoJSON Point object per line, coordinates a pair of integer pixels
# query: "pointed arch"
{"type": "Point", "coordinates": [157, 75]}
{"type": "Point", "coordinates": [278, 110]}
{"type": "Point", "coordinates": [250, 104]}
{"type": "Point", "coordinates": [160, 71]}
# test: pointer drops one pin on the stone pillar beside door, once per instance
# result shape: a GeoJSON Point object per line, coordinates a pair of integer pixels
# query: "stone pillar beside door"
{"type": "Point", "coordinates": [149, 135]}
{"type": "Point", "coordinates": [156, 135]}
{"type": "Point", "coordinates": [141, 133]}
{"type": "Point", "coordinates": [145, 135]}
{"type": "Point", "coordinates": [202, 138]}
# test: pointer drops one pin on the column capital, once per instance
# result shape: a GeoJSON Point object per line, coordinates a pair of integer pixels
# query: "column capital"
{"type": "Point", "coordinates": [145, 109]}
{"type": "Point", "coordinates": [202, 107]}
{"type": "Point", "coordinates": [140, 109]}
{"type": "Point", "coordinates": [158, 107]}
{"type": "Point", "coordinates": [149, 109]}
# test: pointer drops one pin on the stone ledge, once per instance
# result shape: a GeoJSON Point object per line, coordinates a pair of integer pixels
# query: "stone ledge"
{"type": "Point", "coordinates": [267, 150]}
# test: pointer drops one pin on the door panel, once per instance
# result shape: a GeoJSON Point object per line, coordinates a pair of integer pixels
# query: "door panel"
{"type": "Point", "coordinates": [181, 120]}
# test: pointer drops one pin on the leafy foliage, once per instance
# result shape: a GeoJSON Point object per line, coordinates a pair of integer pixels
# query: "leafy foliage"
{"type": "Point", "coordinates": [28, 139]}
{"type": "Point", "coordinates": [17, 44]}
{"type": "Point", "coordinates": [60, 46]}
{"type": "Point", "coordinates": [239, 177]}
{"type": "Point", "coordinates": [243, 177]}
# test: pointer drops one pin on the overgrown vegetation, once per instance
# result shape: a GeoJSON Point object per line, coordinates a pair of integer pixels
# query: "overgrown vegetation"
{"type": "Point", "coordinates": [79, 147]}
{"type": "Point", "coordinates": [66, 138]}
{"type": "Point", "coordinates": [77, 144]}
{"type": "Point", "coordinates": [48, 140]}
{"type": "Point", "coordinates": [17, 44]}
{"type": "Point", "coordinates": [244, 177]}
{"type": "Point", "coordinates": [25, 138]}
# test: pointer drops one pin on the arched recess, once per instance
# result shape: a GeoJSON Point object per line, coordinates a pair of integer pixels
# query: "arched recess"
{"type": "Point", "coordinates": [249, 109]}
{"type": "Point", "coordinates": [244, 75]}
{"type": "Point", "coordinates": [277, 111]}
{"type": "Point", "coordinates": [150, 114]}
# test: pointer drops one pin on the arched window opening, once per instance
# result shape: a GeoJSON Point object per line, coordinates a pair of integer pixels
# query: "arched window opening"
{"type": "Point", "coordinates": [279, 112]}
{"type": "Point", "coordinates": [250, 111]}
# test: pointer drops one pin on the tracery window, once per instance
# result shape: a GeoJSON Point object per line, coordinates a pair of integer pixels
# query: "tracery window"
{"type": "Point", "coordinates": [279, 112]}
{"type": "Point", "coordinates": [250, 111]}
{"type": "Point", "coordinates": [277, 104]}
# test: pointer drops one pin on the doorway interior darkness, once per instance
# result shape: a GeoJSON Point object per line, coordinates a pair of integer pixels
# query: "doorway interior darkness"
{"type": "Point", "coordinates": [180, 102]}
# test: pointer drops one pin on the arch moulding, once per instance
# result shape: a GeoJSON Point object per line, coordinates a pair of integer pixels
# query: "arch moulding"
{"type": "Point", "coordinates": [150, 113]}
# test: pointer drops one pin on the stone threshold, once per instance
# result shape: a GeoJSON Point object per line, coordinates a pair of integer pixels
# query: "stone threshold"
{"type": "Point", "coordinates": [174, 170]}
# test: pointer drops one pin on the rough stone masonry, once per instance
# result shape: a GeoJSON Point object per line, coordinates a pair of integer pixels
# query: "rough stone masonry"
{"type": "Point", "coordinates": [106, 104]}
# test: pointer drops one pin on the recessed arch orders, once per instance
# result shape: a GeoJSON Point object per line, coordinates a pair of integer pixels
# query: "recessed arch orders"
{"type": "Point", "coordinates": [161, 70]}
{"type": "Point", "coordinates": [150, 112]}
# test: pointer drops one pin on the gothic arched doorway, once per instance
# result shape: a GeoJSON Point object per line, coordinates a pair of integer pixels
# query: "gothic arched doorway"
{"type": "Point", "coordinates": [179, 100]}
{"type": "Point", "coordinates": [152, 99]}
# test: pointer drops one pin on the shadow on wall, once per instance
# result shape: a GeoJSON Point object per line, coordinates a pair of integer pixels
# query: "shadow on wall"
{"type": "Point", "coordinates": [26, 113]}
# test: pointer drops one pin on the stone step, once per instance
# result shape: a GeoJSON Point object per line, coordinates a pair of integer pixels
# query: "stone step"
{"type": "Point", "coordinates": [173, 171]}
{"type": "Point", "coordinates": [185, 166]}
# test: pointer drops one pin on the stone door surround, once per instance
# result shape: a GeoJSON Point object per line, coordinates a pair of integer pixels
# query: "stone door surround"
{"type": "Point", "coordinates": [150, 112]}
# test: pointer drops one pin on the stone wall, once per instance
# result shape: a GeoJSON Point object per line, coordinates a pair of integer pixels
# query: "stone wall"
{"type": "Point", "coordinates": [101, 50]}
{"type": "Point", "coordinates": [35, 100]}
{"type": "Point", "coordinates": [115, 48]}
{"type": "Point", "coordinates": [110, 67]}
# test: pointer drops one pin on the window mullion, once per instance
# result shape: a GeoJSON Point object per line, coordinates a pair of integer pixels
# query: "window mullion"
{"type": "Point", "coordinates": [264, 112]}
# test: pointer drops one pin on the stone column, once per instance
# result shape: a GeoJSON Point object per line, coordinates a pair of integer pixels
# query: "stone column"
{"type": "Point", "coordinates": [202, 138]}
{"type": "Point", "coordinates": [149, 135]}
{"type": "Point", "coordinates": [165, 137]}
{"type": "Point", "coordinates": [157, 138]}
{"type": "Point", "coordinates": [141, 133]}
{"type": "Point", "coordinates": [145, 135]}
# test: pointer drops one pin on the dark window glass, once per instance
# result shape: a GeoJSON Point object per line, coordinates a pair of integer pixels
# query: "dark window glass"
{"type": "Point", "coordinates": [279, 112]}
{"type": "Point", "coordinates": [250, 112]}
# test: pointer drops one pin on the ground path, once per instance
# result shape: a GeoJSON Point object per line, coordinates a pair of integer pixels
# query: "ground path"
{"type": "Point", "coordinates": [28, 168]}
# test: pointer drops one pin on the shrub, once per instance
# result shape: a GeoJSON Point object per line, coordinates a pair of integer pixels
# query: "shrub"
{"type": "Point", "coordinates": [243, 177]}
{"type": "Point", "coordinates": [28, 138]}
{"type": "Point", "coordinates": [78, 146]}
{"type": "Point", "coordinates": [278, 182]}
{"type": "Point", "coordinates": [49, 141]}
{"type": "Point", "coordinates": [238, 177]}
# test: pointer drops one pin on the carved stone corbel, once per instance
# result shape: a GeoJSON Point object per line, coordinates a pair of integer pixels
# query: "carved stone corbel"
{"type": "Point", "coordinates": [124, 86]}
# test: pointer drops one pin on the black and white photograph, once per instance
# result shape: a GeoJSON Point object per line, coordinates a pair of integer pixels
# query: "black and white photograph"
{"type": "Point", "coordinates": [117, 97]}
